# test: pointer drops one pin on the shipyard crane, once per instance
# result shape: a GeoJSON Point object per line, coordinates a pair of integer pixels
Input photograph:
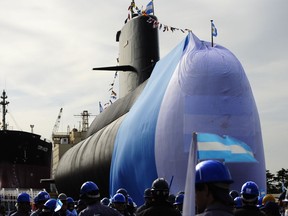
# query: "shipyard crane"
{"type": "Point", "coordinates": [56, 125]}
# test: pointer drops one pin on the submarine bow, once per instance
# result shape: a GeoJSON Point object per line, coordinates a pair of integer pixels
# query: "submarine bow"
{"type": "Point", "coordinates": [195, 88]}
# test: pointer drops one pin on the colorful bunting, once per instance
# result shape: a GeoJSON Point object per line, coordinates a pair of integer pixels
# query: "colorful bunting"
{"type": "Point", "coordinates": [159, 25]}
{"type": "Point", "coordinates": [150, 10]}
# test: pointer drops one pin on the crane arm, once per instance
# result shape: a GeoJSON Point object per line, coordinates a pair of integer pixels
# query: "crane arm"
{"type": "Point", "coordinates": [56, 125]}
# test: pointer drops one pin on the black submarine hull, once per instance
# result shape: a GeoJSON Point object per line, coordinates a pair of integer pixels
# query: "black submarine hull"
{"type": "Point", "coordinates": [91, 158]}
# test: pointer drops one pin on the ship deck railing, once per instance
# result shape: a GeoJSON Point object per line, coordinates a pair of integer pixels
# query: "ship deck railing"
{"type": "Point", "coordinates": [11, 194]}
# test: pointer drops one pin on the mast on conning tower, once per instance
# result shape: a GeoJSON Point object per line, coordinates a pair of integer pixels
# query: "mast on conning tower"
{"type": "Point", "coordinates": [4, 111]}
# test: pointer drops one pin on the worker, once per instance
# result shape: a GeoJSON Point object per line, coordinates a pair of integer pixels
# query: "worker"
{"type": "Point", "coordinates": [212, 181]}
{"type": "Point", "coordinates": [178, 204]}
{"type": "Point", "coordinates": [285, 205]}
{"type": "Point", "coordinates": [105, 201]}
{"type": "Point", "coordinates": [23, 205]}
{"type": "Point", "coordinates": [80, 206]}
{"type": "Point", "coordinates": [63, 198]}
{"type": "Point", "coordinates": [39, 201]}
{"type": "Point", "coordinates": [131, 207]}
{"type": "Point", "coordinates": [119, 203]}
{"type": "Point", "coordinates": [49, 208]}
{"type": "Point", "coordinates": [160, 205]}
{"type": "Point", "coordinates": [237, 202]}
{"type": "Point", "coordinates": [271, 209]}
{"type": "Point", "coordinates": [234, 194]}
{"type": "Point", "coordinates": [71, 206]}
{"type": "Point", "coordinates": [268, 198]}
{"type": "Point", "coordinates": [90, 194]}
{"type": "Point", "coordinates": [147, 200]}
{"type": "Point", "coordinates": [249, 194]}
{"type": "Point", "coordinates": [124, 192]}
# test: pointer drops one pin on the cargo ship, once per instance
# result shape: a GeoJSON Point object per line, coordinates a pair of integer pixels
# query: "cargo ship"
{"type": "Point", "coordinates": [25, 156]}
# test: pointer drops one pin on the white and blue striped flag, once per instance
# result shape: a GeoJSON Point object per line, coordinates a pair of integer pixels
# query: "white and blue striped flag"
{"type": "Point", "coordinates": [207, 146]}
{"type": "Point", "coordinates": [58, 205]}
{"type": "Point", "coordinates": [150, 8]}
{"type": "Point", "coordinates": [213, 29]}
{"type": "Point", "coordinates": [227, 148]}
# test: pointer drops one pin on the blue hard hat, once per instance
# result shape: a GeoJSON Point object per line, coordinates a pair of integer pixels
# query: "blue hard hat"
{"type": "Point", "coordinates": [70, 200]}
{"type": "Point", "coordinates": [118, 198]}
{"type": "Point", "coordinates": [250, 188]}
{"type": "Point", "coordinates": [89, 190]}
{"type": "Point", "coordinates": [43, 196]}
{"type": "Point", "coordinates": [36, 199]}
{"type": "Point", "coordinates": [179, 199]}
{"type": "Point", "coordinates": [130, 201]}
{"type": "Point", "coordinates": [50, 205]}
{"type": "Point", "coordinates": [23, 197]}
{"type": "Point", "coordinates": [212, 171]}
{"type": "Point", "coordinates": [238, 202]}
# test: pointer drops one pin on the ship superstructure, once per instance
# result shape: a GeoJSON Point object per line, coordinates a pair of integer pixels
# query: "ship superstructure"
{"type": "Point", "coordinates": [25, 158]}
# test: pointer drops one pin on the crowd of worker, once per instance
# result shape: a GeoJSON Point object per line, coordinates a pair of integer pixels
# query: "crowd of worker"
{"type": "Point", "coordinates": [212, 197]}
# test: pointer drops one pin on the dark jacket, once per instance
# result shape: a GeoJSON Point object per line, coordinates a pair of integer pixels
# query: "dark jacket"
{"type": "Point", "coordinates": [160, 208]}
{"type": "Point", "coordinates": [99, 209]}
{"type": "Point", "coordinates": [217, 209]}
{"type": "Point", "coordinates": [247, 210]}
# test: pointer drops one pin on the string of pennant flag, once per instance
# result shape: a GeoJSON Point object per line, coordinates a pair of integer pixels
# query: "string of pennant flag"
{"type": "Point", "coordinates": [113, 95]}
{"type": "Point", "coordinates": [156, 24]}
{"type": "Point", "coordinates": [164, 28]}
{"type": "Point", "coordinates": [134, 9]}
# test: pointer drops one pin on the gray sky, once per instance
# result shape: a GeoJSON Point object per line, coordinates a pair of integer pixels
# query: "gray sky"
{"type": "Point", "coordinates": [48, 50]}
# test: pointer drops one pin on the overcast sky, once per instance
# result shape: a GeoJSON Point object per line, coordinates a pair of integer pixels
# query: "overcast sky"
{"type": "Point", "coordinates": [48, 49]}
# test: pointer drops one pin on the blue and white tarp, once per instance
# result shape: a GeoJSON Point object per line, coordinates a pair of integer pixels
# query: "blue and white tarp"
{"type": "Point", "coordinates": [196, 87]}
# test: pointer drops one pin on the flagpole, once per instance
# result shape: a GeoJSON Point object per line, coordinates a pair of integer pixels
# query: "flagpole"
{"type": "Point", "coordinates": [195, 142]}
{"type": "Point", "coordinates": [153, 7]}
{"type": "Point", "coordinates": [189, 198]}
{"type": "Point", "coordinates": [211, 33]}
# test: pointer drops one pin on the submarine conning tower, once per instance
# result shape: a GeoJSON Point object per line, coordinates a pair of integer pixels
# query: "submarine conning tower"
{"type": "Point", "coordinates": [138, 48]}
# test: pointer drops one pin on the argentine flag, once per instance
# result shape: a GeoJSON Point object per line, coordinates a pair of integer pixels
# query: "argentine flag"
{"type": "Point", "coordinates": [214, 29]}
{"type": "Point", "coordinates": [211, 146]}
{"type": "Point", "coordinates": [149, 8]}
{"type": "Point", "coordinates": [227, 148]}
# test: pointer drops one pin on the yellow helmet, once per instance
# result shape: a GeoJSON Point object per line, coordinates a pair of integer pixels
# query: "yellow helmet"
{"type": "Point", "coordinates": [268, 198]}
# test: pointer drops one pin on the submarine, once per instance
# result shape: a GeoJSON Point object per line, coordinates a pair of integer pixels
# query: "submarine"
{"type": "Point", "coordinates": [147, 132]}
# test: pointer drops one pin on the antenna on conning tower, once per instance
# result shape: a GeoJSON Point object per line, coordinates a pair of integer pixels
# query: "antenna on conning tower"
{"type": "Point", "coordinates": [4, 110]}
{"type": "Point", "coordinates": [85, 120]}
